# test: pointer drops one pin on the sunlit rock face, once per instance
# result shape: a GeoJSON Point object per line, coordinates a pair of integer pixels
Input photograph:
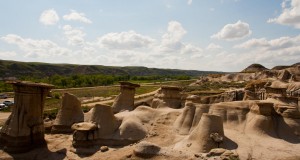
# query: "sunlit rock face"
{"type": "Point", "coordinates": [24, 129]}
{"type": "Point", "coordinates": [167, 96]}
{"type": "Point", "coordinates": [69, 113]}
{"type": "Point", "coordinates": [125, 100]}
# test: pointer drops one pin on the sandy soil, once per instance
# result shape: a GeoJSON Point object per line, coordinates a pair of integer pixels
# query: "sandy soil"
{"type": "Point", "coordinates": [111, 101]}
{"type": "Point", "coordinates": [161, 132]}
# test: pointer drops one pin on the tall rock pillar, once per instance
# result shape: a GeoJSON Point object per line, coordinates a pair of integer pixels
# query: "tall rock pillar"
{"type": "Point", "coordinates": [125, 100]}
{"type": "Point", "coordinates": [24, 129]}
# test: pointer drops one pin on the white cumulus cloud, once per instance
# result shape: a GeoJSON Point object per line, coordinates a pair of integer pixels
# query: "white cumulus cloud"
{"type": "Point", "coordinates": [7, 54]}
{"type": "Point", "coordinates": [76, 16]}
{"type": "Point", "coordinates": [74, 36]}
{"type": "Point", "coordinates": [274, 44]}
{"type": "Point", "coordinates": [253, 43]}
{"type": "Point", "coordinates": [125, 40]}
{"type": "Point", "coordinates": [282, 50]}
{"type": "Point", "coordinates": [213, 46]}
{"type": "Point", "coordinates": [171, 40]}
{"type": "Point", "coordinates": [290, 14]}
{"type": "Point", "coordinates": [234, 31]}
{"type": "Point", "coordinates": [35, 48]}
{"type": "Point", "coordinates": [49, 17]}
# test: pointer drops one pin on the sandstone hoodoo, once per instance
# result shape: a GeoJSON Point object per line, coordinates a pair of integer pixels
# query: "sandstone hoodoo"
{"type": "Point", "coordinates": [167, 96]}
{"type": "Point", "coordinates": [190, 115]}
{"type": "Point", "coordinates": [24, 129]}
{"type": "Point", "coordinates": [202, 138]}
{"type": "Point", "coordinates": [105, 128]}
{"type": "Point", "coordinates": [125, 100]}
{"type": "Point", "coordinates": [69, 113]}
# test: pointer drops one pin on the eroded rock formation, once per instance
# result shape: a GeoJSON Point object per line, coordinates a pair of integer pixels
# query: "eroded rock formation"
{"type": "Point", "coordinates": [114, 130]}
{"type": "Point", "coordinates": [200, 138]}
{"type": "Point", "coordinates": [167, 96]}
{"type": "Point", "coordinates": [69, 113]}
{"type": "Point", "coordinates": [125, 100]}
{"type": "Point", "coordinates": [24, 129]}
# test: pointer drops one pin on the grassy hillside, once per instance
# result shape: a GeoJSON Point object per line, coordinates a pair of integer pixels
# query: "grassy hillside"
{"type": "Point", "coordinates": [19, 69]}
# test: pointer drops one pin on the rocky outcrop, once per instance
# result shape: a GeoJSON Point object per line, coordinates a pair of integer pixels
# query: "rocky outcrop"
{"type": "Point", "coordinates": [167, 96]}
{"type": "Point", "coordinates": [234, 95]}
{"type": "Point", "coordinates": [255, 68]}
{"type": "Point", "coordinates": [200, 138]}
{"type": "Point", "coordinates": [125, 100]}
{"type": "Point", "coordinates": [190, 116]}
{"type": "Point", "coordinates": [113, 130]}
{"type": "Point", "coordinates": [258, 72]}
{"type": "Point", "coordinates": [24, 129]}
{"type": "Point", "coordinates": [69, 113]}
{"type": "Point", "coordinates": [146, 150]}
{"type": "Point", "coordinates": [261, 120]}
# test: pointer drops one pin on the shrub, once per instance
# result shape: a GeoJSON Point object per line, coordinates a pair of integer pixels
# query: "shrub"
{"type": "Point", "coordinates": [57, 96]}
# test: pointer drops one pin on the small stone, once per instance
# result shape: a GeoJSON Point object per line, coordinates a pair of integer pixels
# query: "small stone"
{"type": "Point", "coordinates": [189, 144]}
{"type": "Point", "coordinates": [196, 155]}
{"type": "Point", "coordinates": [129, 155]}
{"type": "Point", "coordinates": [216, 152]}
{"type": "Point", "coordinates": [103, 148]}
{"type": "Point", "coordinates": [227, 153]}
{"type": "Point", "coordinates": [47, 120]}
{"type": "Point", "coordinates": [216, 137]}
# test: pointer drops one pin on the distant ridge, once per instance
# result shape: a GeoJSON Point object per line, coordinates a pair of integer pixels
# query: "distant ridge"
{"type": "Point", "coordinates": [280, 67]}
{"type": "Point", "coordinates": [296, 64]}
{"type": "Point", "coordinates": [284, 67]}
{"type": "Point", "coordinates": [37, 69]}
{"type": "Point", "coordinates": [254, 68]}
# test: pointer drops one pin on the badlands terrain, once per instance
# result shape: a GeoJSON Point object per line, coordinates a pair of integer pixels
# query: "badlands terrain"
{"type": "Point", "coordinates": [259, 121]}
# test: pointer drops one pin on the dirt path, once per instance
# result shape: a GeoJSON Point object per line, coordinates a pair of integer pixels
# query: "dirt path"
{"type": "Point", "coordinates": [111, 101]}
{"type": "Point", "coordinates": [3, 117]}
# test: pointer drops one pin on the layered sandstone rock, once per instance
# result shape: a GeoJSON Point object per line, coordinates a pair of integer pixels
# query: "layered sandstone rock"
{"type": "Point", "coordinates": [261, 120]}
{"type": "Point", "coordinates": [200, 139]}
{"type": "Point", "coordinates": [24, 129]}
{"type": "Point", "coordinates": [234, 95]}
{"type": "Point", "coordinates": [69, 113]}
{"type": "Point", "coordinates": [125, 100]}
{"type": "Point", "coordinates": [190, 116]}
{"type": "Point", "coordinates": [114, 130]}
{"type": "Point", "coordinates": [167, 96]}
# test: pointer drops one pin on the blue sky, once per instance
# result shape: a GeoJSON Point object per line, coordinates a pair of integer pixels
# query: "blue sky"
{"type": "Point", "coordinates": [221, 35]}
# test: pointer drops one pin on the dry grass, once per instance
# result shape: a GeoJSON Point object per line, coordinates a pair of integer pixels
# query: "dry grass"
{"type": "Point", "coordinates": [90, 92]}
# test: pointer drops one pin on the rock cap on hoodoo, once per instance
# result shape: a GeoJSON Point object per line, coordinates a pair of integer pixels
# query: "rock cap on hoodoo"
{"type": "Point", "coordinates": [27, 83]}
{"type": "Point", "coordinates": [128, 84]}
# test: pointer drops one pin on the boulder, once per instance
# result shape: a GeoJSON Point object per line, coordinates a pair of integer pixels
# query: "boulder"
{"type": "Point", "coordinates": [69, 113]}
{"type": "Point", "coordinates": [146, 149]}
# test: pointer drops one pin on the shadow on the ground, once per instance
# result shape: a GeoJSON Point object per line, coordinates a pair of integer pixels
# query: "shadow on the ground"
{"type": "Point", "coordinates": [86, 151]}
{"type": "Point", "coordinates": [36, 154]}
{"type": "Point", "coordinates": [229, 144]}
